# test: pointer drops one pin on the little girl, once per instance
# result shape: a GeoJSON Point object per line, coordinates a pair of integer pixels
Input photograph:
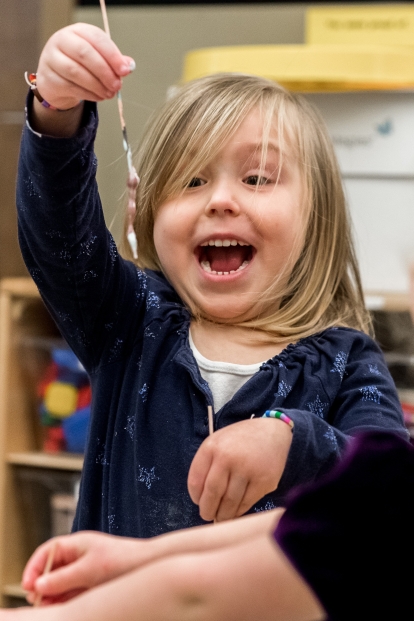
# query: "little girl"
{"type": "Point", "coordinates": [246, 295]}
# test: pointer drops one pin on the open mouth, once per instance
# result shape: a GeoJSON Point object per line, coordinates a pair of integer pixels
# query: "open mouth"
{"type": "Point", "coordinates": [224, 256]}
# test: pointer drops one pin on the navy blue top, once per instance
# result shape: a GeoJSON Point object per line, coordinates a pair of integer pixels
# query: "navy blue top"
{"type": "Point", "coordinates": [349, 534]}
{"type": "Point", "coordinates": [130, 331]}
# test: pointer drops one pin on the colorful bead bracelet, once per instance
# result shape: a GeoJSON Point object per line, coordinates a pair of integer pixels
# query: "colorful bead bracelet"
{"type": "Point", "coordinates": [280, 416]}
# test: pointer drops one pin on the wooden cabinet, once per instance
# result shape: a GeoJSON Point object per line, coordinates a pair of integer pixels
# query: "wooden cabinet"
{"type": "Point", "coordinates": [24, 323]}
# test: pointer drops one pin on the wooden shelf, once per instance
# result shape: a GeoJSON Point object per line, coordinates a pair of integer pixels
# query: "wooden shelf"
{"type": "Point", "coordinates": [13, 590]}
{"type": "Point", "coordinates": [22, 287]}
{"type": "Point", "coordinates": [39, 459]}
{"type": "Point", "coordinates": [25, 328]}
{"type": "Point", "coordinates": [387, 301]}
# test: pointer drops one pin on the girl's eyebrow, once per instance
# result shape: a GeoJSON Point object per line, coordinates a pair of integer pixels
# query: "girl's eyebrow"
{"type": "Point", "coordinates": [252, 153]}
{"type": "Point", "coordinates": [258, 147]}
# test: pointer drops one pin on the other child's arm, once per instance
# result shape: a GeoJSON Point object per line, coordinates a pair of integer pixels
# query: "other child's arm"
{"type": "Point", "coordinates": [85, 559]}
{"type": "Point", "coordinates": [248, 580]}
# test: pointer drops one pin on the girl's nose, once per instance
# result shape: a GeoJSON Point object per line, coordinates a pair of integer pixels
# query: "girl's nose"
{"type": "Point", "coordinates": [222, 201]}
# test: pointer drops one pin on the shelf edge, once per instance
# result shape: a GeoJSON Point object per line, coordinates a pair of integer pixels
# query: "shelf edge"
{"type": "Point", "coordinates": [38, 459]}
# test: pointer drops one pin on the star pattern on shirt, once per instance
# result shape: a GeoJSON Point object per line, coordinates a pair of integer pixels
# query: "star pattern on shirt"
{"type": "Point", "coordinates": [153, 301]}
{"type": "Point", "coordinates": [115, 349]}
{"type": "Point", "coordinates": [144, 393]}
{"type": "Point", "coordinates": [130, 426]}
{"type": "Point", "coordinates": [373, 369]}
{"type": "Point", "coordinates": [371, 393]}
{"type": "Point", "coordinates": [100, 453]}
{"type": "Point", "coordinates": [89, 274]}
{"type": "Point", "coordinates": [86, 247]}
{"type": "Point", "coordinates": [330, 435]}
{"type": "Point", "coordinates": [283, 389]}
{"type": "Point", "coordinates": [267, 507]}
{"type": "Point", "coordinates": [317, 407]}
{"type": "Point", "coordinates": [111, 523]}
{"type": "Point", "coordinates": [113, 250]}
{"type": "Point", "coordinates": [147, 476]}
{"type": "Point", "coordinates": [339, 364]}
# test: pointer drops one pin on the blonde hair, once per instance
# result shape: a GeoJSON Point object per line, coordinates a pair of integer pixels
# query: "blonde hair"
{"type": "Point", "coordinates": [324, 288]}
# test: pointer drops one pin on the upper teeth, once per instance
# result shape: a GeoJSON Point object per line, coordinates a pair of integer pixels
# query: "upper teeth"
{"type": "Point", "coordinates": [224, 242]}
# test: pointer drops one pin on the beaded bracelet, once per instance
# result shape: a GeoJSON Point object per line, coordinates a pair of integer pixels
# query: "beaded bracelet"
{"type": "Point", "coordinates": [31, 80]}
{"type": "Point", "coordinates": [280, 416]}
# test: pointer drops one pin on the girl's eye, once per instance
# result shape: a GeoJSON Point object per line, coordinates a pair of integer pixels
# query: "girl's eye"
{"type": "Point", "coordinates": [256, 180]}
{"type": "Point", "coordinates": [195, 182]}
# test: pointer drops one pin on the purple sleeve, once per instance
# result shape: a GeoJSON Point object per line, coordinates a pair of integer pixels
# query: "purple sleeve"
{"type": "Point", "coordinates": [349, 534]}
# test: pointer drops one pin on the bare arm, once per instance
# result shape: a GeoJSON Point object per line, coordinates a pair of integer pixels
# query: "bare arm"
{"type": "Point", "coordinates": [243, 582]}
{"type": "Point", "coordinates": [86, 559]}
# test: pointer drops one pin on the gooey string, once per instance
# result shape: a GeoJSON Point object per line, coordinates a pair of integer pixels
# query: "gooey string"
{"type": "Point", "coordinates": [133, 179]}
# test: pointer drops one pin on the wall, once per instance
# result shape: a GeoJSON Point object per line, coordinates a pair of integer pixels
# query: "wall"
{"type": "Point", "coordinates": [25, 25]}
{"type": "Point", "coordinates": [158, 38]}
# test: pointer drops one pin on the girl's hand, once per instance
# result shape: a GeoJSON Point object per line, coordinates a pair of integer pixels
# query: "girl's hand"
{"type": "Point", "coordinates": [81, 561]}
{"type": "Point", "coordinates": [238, 465]}
{"type": "Point", "coordinates": [80, 62]}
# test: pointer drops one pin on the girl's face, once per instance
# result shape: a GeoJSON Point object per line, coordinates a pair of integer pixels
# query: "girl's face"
{"type": "Point", "coordinates": [235, 229]}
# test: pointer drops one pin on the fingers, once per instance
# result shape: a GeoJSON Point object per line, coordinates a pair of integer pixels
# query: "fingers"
{"type": "Point", "coordinates": [57, 599]}
{"type": "Point", "coordinates": [252, 494]}
{"type": "Point", "coordinates": [198, 472]}
{"type": "Point", "coordinates": [227, 496]}
{"type": "Point", "coordinates": [232, 498]}
{"type": "Point", "coordinates": [36, 565]}
{"type": "Point", "coordinates": [214, 489]}
{"type": "Point", "coordinates": [81, 62]}
{"type": "Point", "coordinates": [75, 577]}
{"type": "Point", "coordinates": [217, 489]}
{"type": "Point", "coordinates": [214, 484]}
{"type": "Point", "coordinates": [105, 47]}
{"type": "Point", "coordinates": [238, 465]}
{"type": "Point", "coordinates": [65, 566]}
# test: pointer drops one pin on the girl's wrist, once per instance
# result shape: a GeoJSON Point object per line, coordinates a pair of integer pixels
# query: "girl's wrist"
{"type": "Point", "coordinates": [58, 124]}
{"type": "Point", "coordinates": [31, 79]}
{"type": "Point", "coordinates": [281, 416]}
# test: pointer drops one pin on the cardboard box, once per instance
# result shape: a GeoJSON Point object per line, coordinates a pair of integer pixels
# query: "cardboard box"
{"type": "Point", "coordinates": [388, 24]}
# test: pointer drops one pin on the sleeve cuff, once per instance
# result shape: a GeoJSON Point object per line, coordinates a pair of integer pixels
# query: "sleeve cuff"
{"type": "Point", "coordinates": [89, 121]}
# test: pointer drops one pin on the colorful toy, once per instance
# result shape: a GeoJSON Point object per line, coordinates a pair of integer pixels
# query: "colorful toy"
{"type": "Point", "coordinates": [64, 410]}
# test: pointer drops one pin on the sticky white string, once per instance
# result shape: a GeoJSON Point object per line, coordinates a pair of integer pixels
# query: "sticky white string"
{"type": "Point", "coordinates": [133, 179]}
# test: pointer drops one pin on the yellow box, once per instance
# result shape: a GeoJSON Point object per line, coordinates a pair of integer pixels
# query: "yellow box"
{"type": "Point", "coordinates": [310, 68]}
{"type": "Point", "coordinates": [388, 24]}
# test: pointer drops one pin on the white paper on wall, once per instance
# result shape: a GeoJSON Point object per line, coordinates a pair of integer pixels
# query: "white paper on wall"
{"type": "Point", "coordinates": [373, 135]}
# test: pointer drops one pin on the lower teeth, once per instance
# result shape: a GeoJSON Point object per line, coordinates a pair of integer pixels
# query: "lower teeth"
{"type": "Point", "coordinates": [207, 268]}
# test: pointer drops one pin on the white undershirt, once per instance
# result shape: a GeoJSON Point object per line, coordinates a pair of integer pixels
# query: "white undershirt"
{"type": "Point", "coordinates": [224, 378]}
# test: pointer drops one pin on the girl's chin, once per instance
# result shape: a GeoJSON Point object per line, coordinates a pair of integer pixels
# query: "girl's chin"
{"type": "Point", "coordinates": [226, 314]}
{"type": "Point", "coordinates": [219, 308]}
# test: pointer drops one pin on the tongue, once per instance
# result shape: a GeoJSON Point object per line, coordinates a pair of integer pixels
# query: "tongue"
{"type": "Point", "coordinates": [226, 259]}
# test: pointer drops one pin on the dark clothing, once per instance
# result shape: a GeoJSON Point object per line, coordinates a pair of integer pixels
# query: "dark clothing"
{"type": "Point", "coordinates": [349, 533]}
{"type": "Point", "coordinates": [130, 331]}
